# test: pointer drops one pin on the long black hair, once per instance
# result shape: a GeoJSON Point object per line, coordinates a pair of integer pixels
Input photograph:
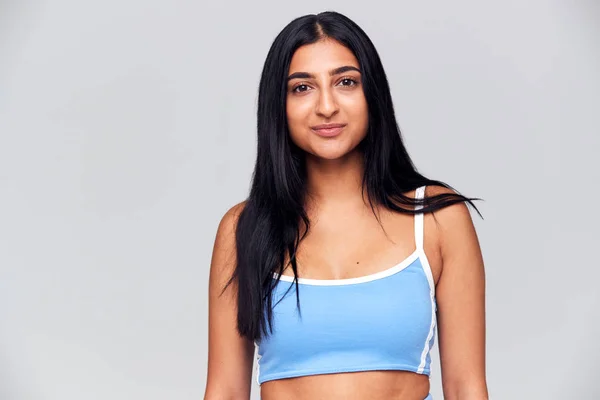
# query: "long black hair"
{"type": "Point", "coordinates": [269, 226]}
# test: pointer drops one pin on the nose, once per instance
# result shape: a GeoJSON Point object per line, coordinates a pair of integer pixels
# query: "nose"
{"type": "Point", "coordinates": [326, 104]}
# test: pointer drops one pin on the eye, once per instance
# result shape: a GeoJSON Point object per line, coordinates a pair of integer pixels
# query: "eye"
{"type": "Point", "coordinates": [348, 80]}
{"type": "Point", "coordinates": [295, 89]}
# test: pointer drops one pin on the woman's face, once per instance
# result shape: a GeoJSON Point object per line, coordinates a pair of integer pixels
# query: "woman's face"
{"type": "Point", "coordinates": [325, 87]}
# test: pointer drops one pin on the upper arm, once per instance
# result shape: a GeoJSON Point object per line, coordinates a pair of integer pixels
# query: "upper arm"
{"type": "Point", "coordinates": [460, 296]}
{"type": "Point", "coordinates": [230, 356]}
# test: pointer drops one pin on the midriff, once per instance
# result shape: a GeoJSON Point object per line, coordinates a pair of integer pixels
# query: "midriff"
{"type": "Point", "coordinates": [364, 385]}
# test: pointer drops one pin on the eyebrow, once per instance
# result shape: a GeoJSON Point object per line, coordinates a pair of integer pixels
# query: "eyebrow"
{"type": "Point", "coordinates": [335, 71]}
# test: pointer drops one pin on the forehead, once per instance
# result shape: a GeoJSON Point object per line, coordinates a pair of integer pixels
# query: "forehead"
{"type": "Point", "coordinates": [321, 56]}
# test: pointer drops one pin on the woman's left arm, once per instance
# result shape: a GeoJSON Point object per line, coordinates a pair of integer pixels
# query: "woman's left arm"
{"type": "Point", "coordinates": [460, 296]}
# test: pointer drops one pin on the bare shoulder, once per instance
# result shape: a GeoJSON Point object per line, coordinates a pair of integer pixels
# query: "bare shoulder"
{"type": "Point", "coordinates": [434, 190]}
{"type": "Point", "coordinates": [223, 256]}
{"type": "Point", "coordinates": [450, 220]}
{"type": "Point", "coordinates": [230, 218]}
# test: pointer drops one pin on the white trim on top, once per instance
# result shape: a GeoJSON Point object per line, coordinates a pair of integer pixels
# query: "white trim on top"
{"type": "Point", "coordinates": [426, 347]}
{"type": "Point", "coordinates": [361, 279]}
{"type": "Point", "coordinates": [419, 194]}
{"type": "Point", "coordinates": [258, 357]}
{"type": "Point", "coordinates": [420, 238]}
{"type": "Point", "coordinates": [427, 270]}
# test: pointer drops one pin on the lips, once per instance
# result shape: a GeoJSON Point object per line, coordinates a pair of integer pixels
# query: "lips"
{"type": "Point", "coordinates": [328, 130]}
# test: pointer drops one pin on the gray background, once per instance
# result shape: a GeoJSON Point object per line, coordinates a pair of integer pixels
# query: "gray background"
{"type": "Point", "coordinates": [127, 129]}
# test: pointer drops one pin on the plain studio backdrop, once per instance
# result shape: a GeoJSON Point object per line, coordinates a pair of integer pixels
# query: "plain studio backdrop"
{"type": "Point", "coordinates": [127, 129]}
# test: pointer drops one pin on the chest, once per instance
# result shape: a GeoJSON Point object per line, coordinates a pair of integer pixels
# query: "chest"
{"type": "Point", "coordinates": [354, 246]}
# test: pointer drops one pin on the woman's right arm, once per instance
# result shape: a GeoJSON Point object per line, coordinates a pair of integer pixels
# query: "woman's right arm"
{"type": "Point", "coordinates": [230, 356]}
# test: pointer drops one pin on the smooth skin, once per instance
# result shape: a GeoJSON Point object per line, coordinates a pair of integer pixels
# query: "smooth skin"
{"type": "Point", "coordinates": [346, 241]}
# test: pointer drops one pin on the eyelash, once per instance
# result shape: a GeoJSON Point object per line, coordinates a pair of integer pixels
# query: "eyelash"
{"type": "Point", "coordinates": [342, 80]}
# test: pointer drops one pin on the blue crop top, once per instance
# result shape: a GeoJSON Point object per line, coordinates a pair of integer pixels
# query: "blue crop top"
{"type": "Point", "coordinates": [382, 321]}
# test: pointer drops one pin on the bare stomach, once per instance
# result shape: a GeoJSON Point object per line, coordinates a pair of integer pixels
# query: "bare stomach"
{"type": "Point", "coordinates": [371, 385]}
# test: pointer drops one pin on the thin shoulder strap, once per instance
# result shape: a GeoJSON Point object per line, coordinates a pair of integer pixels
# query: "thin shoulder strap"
{"type": "Point", "coordinates": [419, 194]}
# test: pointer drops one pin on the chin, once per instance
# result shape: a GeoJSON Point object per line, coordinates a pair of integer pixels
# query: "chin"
{"type": "Point", "coordinates": [331, 153]}
{"type": "Point", "coordinates": [329, 156]}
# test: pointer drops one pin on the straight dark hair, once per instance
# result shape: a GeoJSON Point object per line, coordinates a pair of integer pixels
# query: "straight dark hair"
{"type": "Point", "coordinates": [269, 225]}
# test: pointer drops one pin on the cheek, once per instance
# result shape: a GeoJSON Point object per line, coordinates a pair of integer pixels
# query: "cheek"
{"type": "Point", "coordinates": [361, 107]}
{"type": "Point", "coordinates": [297, 114]}
{"type": "Point", "coordinates": [358, 113]}
{"type": "Point", "coordinates": [364, 113]}
{"type": "Point", "coordinates": [298, 109]}
{"type": "Point", "coordinates": [355, 104]}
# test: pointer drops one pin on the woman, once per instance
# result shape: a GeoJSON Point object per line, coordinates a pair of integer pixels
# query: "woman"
{"type": "Point", "coordinates": [344, 259]}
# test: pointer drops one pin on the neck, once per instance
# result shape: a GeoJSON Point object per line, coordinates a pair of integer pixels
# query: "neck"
{"type": "Point", "coordinates": [335, 183]}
